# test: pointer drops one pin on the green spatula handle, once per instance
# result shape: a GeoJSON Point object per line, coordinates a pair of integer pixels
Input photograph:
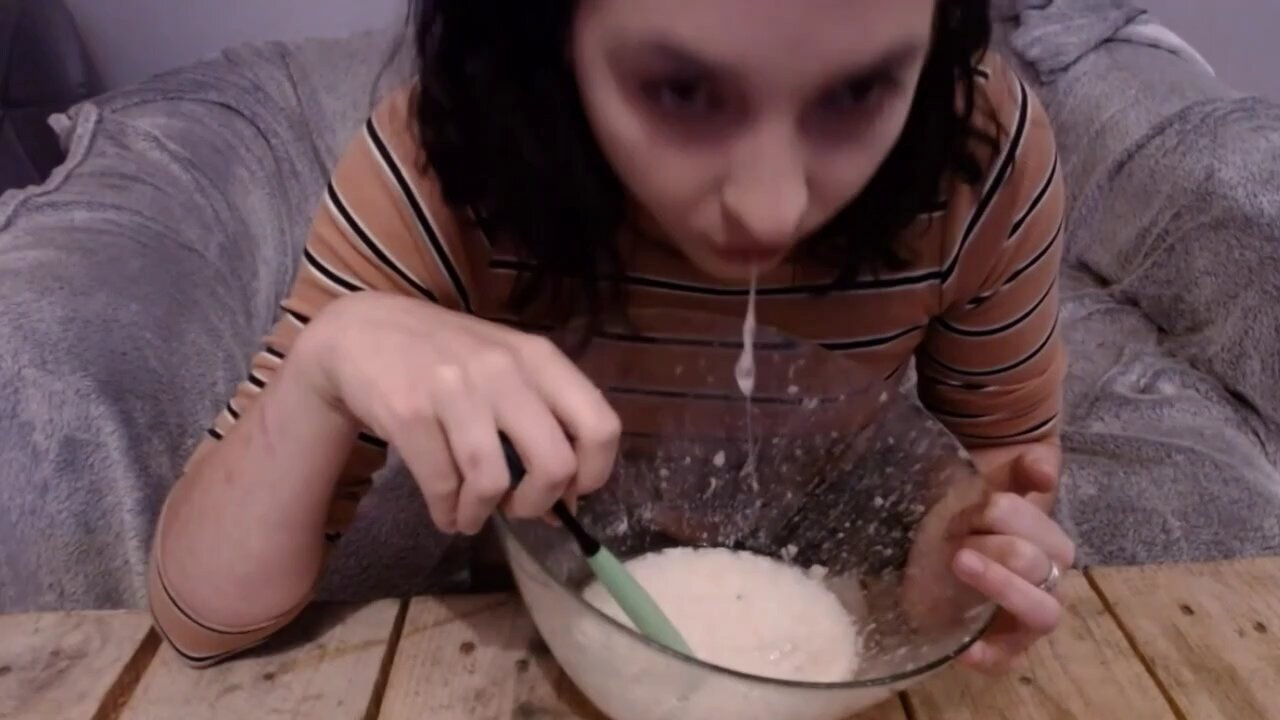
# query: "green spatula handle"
{"type": "Point", "coordinates": [635, 601]}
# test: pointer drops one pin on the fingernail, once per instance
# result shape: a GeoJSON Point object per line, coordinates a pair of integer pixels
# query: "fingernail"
{"type": "Point", "coordinates": [968, 563]}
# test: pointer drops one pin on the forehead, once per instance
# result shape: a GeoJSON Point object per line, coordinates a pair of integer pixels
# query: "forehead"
{"type": "Point", "coordinates": [763, 36]}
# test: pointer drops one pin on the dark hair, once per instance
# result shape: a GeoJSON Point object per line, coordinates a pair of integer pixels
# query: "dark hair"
{"type": "Point", "coordinates": [503, 128]}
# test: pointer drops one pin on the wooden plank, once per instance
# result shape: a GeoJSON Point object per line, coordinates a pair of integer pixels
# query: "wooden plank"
{"type": "Point", "coordinates": [1085, 670]}
{"type": "Point", "coordinates": [70, 666]}
{"type": "Point", "coordinates": [326, 665]}
{"type": "Point", "coordinates": [477, 656]}
{"type": "Point", "coordinates": [888, 710]}
{"type": "Point", "coordinates": [1211, 633]}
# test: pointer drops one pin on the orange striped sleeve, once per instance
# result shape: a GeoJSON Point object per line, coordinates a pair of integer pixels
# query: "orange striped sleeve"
{"type": "Point", "coordinates": [379, 227]}
{"type": "Point", "coordinates": [992, 364]}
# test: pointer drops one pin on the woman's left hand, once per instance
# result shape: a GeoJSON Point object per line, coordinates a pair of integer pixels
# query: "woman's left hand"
{"type": "Point", "coordinates": [1015, 551]}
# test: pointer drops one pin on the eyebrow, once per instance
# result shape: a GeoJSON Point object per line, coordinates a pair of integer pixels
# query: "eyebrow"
{"type": "Point", "coordinates": [665, 51]}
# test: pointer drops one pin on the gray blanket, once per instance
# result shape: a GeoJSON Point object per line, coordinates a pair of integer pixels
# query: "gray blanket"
{"type": "Point", "coordinates": [1173, 304]}
{"type": "Point", "coordinates": [135, 284]}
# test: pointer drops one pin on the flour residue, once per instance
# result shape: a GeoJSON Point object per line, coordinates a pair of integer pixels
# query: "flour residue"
{"type": "Point", "coordinates": [748, 612]}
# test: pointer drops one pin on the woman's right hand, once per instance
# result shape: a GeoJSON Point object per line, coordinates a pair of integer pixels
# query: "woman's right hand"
{"type": "Point", "coordinates": [439, 385]}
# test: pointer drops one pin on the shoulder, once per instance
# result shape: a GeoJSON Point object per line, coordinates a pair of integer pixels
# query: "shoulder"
{"type": "Point", "coordinates": [384, 192]}
{"type": "Point", "coordinates": [1020, 194]}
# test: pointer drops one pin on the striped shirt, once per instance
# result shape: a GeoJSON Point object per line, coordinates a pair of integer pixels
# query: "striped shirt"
{"type": "Point", "coordinates": [977, 305]}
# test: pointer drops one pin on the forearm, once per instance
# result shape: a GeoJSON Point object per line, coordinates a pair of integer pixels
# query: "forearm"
{"type": "Point", "coordinates": [241, 537]}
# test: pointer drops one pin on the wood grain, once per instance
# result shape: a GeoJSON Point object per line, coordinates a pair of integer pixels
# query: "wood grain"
{"type": "Point", "coordinates": [477, 657]}
{"type": "Point", "coordinates": [70, 666]}
{"type": "Point", "coordinates": [888, 710]}
{"type": "Point", "coordinates": [1211, 633]}
{"type": "Point", "coordinates": [1085, 670]}
{"type": "Point", "coordinates": [326, 665]}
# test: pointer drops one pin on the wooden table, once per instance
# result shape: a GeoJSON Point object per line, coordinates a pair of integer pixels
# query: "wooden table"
{"type": "Point", "coordinates": [1180, 642]}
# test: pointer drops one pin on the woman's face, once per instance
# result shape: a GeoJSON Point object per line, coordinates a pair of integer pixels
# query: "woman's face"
{"type": "Point", "coordinates": [740, 127]}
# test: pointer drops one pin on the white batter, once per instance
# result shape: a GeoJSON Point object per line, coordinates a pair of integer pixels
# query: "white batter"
{"type": "Point", "coordinates": [747, 612]}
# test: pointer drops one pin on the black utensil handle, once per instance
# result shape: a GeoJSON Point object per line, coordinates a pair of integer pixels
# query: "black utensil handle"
{"type": "Point", "coordinates": [590, 546]}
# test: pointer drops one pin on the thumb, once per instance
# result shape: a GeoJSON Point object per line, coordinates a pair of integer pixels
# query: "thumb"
{"type": "Point", "coordinates": [1037, 470]}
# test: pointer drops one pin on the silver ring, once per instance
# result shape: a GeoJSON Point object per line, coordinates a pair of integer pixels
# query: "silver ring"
{"type": "Point", "coordinates": [1054, 579]}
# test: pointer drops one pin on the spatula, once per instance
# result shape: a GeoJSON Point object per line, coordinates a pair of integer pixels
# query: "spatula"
{"type": "Point", "coordinates": [630, 595]}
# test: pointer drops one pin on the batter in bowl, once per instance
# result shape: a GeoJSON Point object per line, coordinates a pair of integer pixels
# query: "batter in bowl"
{"type": "Point", "coordinates": [747, 612]}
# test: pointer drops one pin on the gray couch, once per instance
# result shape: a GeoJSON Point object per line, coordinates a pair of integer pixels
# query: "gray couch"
{"type": "Point", "coordinates": [137, 281]}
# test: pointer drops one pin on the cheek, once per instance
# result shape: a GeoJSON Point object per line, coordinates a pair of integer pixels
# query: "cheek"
{"type": "Point", "coordinates": [668, 180]}
{"type": "Point", "coordinates": [838, 180]}
{"type": "Point", "coordinates": [841, 175]}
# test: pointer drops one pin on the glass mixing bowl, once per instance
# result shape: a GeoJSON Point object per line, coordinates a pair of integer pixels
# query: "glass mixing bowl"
{"type": "Point", "coordinates": [850, 473]}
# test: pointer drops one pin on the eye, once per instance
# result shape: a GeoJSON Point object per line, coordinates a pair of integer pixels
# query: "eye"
{"type": "Point", "coordinates": [855, 95]}
{"type": "Point", "coordinates": [682, 97]}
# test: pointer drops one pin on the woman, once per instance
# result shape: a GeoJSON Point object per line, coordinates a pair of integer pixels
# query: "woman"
{"type": "Point", "coordinates": [893, 185]}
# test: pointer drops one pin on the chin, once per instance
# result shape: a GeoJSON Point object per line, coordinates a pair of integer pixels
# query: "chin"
{"type": "Point", "coordinates": [721, 269]}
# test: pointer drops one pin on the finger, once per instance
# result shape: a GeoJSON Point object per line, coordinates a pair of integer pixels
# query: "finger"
{"type": "Point", "coordinates": [430, 462]}
{"type": "Point", "coordinates": [1035, 609]}
{"type": "Point", "coordinates": [1012, 514]}
{"type": "Point", "coordinates": [548, 457]}
{"type": "Point", "coordinates": [417, 435]}
{"type": "Point", "coordinates": [472, 434]}
{"type": "Point", "coordinates": [1020, 556]}
{"type": "Point", "coordinates": [1037, 470]}
{"type": "Point", "coordinates": [581, 409]}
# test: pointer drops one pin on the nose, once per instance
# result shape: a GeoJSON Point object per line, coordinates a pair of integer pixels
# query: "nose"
{"type": "Point", "coordinates": [766, 193]}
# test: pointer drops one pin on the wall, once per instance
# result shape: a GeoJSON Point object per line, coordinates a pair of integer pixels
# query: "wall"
{"type": "Point", "coordinates": [1238, 37]}
{"type": "Point", "coordinates": [133, 39]}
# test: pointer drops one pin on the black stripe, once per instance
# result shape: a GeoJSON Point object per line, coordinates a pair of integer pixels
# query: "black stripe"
{"type": "Point", "coordinates": [732, 343]}
{"type": "Point", "coordinates": [442, 255]}
{"type": "Point", "coordinates": [990, 332]}
{"type": "Point", "coordinates": [896, 370]}
{"type": "Point", "coordinates": [1057, 235]}
{"type": "Point", "coordinates": [1000, 370]}
{"type": "Point", "coordinates": [332, 537]}
{"type": "Point", "coordinates": [373, 247]}
{"type": "Point", "coordinates": [997, 183]}
{"type": "Point", "coordinates": [953, 415]}
{"type": "Point", "coordinates": [980, 299]}
{"type": "Point", "coordinates": [329, 274]}
{"type": "Point", "coordinates": [257, 382]}
{"type": "Point", "coordinates": [727, 344]}
{"type": "Point", "coordinates": [721, 397]}
{"type": "Point", "coordinates": [1035, 202]}
{"type": "Point", "coordinates": [273, 352]}
{"type": "Point", "coordinates": [626, 279]}
{"type": "Point", "coordinates": [1024, 268]}
{"type": "Point", "coordinates": [871, 342]}
{"type": "Point", "coordinates": [996, 438]}
{"type": "Point", "coordinates": [302, 319]}
{"type": "Point", "coordinates": [232, 411]}
{"type": "Point", "coordinates": [214, 433]}
{"type": "Point", "coordinates": [372, 441]}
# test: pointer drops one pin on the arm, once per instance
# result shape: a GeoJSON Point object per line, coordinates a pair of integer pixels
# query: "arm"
{"type": "Point", "coordinates": [992, 365]}
{"type": "Point", "coordinates": [242, 538]}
